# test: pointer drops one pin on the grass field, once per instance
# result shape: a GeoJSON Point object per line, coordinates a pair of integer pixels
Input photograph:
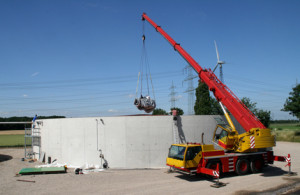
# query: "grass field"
{"type": "Point", "coordinates": [285, 126]}
{"type": "Point", "coordinates": [13, 140]}
{"type": "Point", "coordinates": [286, 131]}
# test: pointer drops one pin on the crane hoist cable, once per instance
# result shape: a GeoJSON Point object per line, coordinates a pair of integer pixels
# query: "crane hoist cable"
{"type": "Point", "coordinates": [145, 103]}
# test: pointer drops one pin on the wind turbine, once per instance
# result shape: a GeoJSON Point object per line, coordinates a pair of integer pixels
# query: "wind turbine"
{"type": "Point", "coordinates": [219, 63]}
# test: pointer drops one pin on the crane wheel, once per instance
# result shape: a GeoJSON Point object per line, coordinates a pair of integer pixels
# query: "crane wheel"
{"type": "Point", "coordinates": [242, 166]}
{"type": "Point", "coordinates": [256, 165]}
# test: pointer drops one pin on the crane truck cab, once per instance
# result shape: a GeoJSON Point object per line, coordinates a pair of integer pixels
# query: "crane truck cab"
{"type": "Point", "coordinates": [187, 157]}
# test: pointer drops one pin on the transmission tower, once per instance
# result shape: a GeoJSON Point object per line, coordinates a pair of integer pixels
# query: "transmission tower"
{"type": "Point", "coordinates": [190, 90]}
{"type": "Point", "coordinates": [173, 99]}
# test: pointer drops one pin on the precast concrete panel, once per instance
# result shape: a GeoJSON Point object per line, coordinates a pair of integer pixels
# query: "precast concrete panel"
{"type": "Point", "coordinates": [137, 148]}
{"type": "Point", "coordinates": [114, 141]}
{"type": "Point", "coordinates": [147, 141]}
{"type": "Point", "coordinates": [51, 139]}
{"type": "Point", "coordinates": [160, 137]}
{"type": "Point", "coordinates": [194, 126]}
{"type": "Point", "coordinates": [73, 146]}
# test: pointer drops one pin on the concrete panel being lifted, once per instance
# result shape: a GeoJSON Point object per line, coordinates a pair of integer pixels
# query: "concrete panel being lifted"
{"type": "Point", "coordinates": [125, 141]}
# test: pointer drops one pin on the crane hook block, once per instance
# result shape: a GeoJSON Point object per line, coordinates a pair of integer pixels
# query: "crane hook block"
{"type": "Point", "coordinates": [145, 103]}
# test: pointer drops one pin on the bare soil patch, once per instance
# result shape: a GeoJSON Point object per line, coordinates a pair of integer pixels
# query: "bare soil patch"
{"type": "Point", "coordinates": [12, 132]}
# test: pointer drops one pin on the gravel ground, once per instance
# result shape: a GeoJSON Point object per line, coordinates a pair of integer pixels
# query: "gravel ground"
{"type": "Point", "coordinates": [154, 181]}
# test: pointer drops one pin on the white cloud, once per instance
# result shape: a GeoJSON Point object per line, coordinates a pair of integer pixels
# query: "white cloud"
{"type": "Point", "coordinates": [131, 95]}
{"type": "Point", "coordinates": [25, 95]}
{"type": "Point", "coordinates": [113, 111]}
{"type": "Point", "coordinates": [179, 97]}
{"type": "Point", "coordinates": [35, 74]}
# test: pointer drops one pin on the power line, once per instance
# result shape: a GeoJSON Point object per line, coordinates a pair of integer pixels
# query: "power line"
{"type": "Point", "coordinates": [85, 81]}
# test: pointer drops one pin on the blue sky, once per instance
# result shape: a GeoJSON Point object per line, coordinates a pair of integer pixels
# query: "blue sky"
{"type": "Point", "coordinates": [82, 57]}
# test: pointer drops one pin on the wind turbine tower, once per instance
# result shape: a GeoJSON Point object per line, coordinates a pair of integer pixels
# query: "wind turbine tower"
{"type": "Point", "coordinates": [219, 63]}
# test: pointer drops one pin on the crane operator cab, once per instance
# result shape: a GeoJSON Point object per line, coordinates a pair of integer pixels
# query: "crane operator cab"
{"type": "Point", "coordinates": [227, 137]}
{"type": "Point", "coordinates": [224, 135]}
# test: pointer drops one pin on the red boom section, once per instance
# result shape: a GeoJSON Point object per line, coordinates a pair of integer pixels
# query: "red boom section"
{"type": "Point", "coordinates": [222, 93]}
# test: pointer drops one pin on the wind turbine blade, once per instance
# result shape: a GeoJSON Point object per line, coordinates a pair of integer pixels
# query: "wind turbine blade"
{"type": "Point", "coordinates": [217, 51]}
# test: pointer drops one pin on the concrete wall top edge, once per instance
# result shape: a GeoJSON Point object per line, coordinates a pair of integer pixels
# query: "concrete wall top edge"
{"type": "Point", "coordinates": [96, 117]}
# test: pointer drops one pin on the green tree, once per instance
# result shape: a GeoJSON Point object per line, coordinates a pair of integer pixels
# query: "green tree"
{"type": "Point", "coordinates": [292, 103]}
{"type": "Point", "coordinates": [202, 104]}
{"type": "Point", "coordinates": [20, 119]}
{"type": "Point", "coordinates": [205, 104]}
{"type": "Point", "coordinates": [263, 115]}
{"type": "Point", "coordinates": [249, 104]}
{"type": "Point", "coordinates": [159, 111]}
{"type": "Point", "coordinates": [179, 111]}
{"type": "Point", "coordinates": [216, 108]}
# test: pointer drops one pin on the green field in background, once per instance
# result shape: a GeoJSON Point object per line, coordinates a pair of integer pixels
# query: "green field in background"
{"type": "Point", "coordinates": [286, 131]}
{"type": "Point", "coordinates": [13, 140]}
{"type": "Point", "coordinates": [285, 126]}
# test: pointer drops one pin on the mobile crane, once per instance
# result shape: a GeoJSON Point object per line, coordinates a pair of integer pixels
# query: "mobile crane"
{"type": "Point", "coordinates": [241, 152]}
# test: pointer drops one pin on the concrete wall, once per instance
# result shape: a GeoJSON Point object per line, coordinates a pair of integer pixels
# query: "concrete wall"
{"type": "Point", "coordinates": [125, 141]}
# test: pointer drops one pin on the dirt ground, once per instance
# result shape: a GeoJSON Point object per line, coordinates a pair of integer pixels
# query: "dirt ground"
{"type": "Point", "coordinates": [12, 132]}
{"type": "Point", "coordinates": [154, 181]}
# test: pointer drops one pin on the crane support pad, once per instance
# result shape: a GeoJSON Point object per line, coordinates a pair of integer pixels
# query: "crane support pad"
{"type": "Point", "coordinates": [42, 170]}
{"type": "Point", "coordinates": [145, 103]}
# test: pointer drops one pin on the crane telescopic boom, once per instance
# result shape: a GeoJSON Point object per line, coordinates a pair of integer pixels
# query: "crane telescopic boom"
{"type": "Point", "coordinates": [256, 137]}
{"type": "Point", "coordinates": [222, 93]}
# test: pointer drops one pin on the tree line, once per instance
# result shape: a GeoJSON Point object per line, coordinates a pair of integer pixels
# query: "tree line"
{"type": "Point", "coordinates": [207, 105]}
{"type": "Point", "coordinates": [21, 119]}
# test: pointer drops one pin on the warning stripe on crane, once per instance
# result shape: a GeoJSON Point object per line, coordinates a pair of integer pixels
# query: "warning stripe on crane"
{"type": "Point", "coordinates": [252, 142]}
{"type": "Point", "coordinates": [265, 158]}
{"type": "Point", "coordinates": [231, 164]}
{"type": "Point", "coordinates": [288, 160]}
{"type": "Point", "coordinates": [216, 173]}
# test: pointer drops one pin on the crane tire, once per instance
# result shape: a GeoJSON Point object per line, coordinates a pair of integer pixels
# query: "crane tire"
{"type": "Point", "coordinates": [242, 166]}
{"type": "Point", "coordinates": [256, 165]}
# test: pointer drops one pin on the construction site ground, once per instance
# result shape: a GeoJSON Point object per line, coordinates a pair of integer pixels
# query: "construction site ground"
{"type": "Point", "coordinates": [146, 181]}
